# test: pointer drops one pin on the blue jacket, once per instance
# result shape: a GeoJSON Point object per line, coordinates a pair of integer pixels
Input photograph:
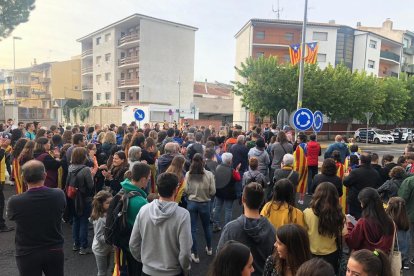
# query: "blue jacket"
{"type": "Point", "coordinates": [341, 147]}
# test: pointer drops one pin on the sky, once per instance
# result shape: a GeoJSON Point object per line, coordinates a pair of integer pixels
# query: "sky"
{"type": "Point", "coordinates": [53, 27]}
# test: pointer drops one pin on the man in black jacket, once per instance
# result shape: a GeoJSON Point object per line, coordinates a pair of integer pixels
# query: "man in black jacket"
{"type": "Point", "coordinates": [38, 216]}
{"type": "Point", "coordinates": [358, 179]}
{"type": "Point", "coordinates": [240, 152]}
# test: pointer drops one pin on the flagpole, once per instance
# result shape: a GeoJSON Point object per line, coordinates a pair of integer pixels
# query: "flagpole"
{"type": "Point", "coordinates": [302, 58]}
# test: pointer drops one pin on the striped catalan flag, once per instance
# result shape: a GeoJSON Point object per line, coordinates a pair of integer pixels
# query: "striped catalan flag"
{"type": "Point", "coordinates": [295, 53]}
{"type": "Point", "coordinates": [312, 52]}
{"type": "Point", "coordinates": [17, 175]}
{"type": "Point", "coordinates": [300, 165]}
{"type": "Point", "coordinates": [342, 199]}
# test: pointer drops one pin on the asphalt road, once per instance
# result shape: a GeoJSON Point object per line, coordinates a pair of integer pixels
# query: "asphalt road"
{"type": "Point", "coordinates": [76, 265]}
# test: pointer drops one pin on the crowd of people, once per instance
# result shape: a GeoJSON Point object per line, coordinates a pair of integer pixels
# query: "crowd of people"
{"type": "Point", "coordinates": [144, 190]}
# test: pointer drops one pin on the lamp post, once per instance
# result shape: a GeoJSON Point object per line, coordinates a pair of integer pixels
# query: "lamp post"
{"type": "Point", "coordinates": [14, 67]}
{"type": "Point", "coordinates": [179, 98]}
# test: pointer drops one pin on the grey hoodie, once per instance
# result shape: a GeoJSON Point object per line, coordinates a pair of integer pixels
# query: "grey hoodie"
{"type": "Point", "coordinates": [258, 234]}
{"type": "Point", "coordinates": [161, 239]}
{"type": "Point", "coordinates": [263, 158]}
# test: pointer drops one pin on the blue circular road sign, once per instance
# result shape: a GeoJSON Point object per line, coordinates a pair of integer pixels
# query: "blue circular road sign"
{"type": "Point", "coordinates": [303, 119]}
{"type": "Point", "coordinates": [139, 115]}
{"type": "Point", "coordinates": [317, 121]}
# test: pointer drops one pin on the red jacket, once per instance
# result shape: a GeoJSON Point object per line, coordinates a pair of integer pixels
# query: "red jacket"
{"type": "Point", "coordinates": [314, 150]}
{"type": "Point", "coordinates": [367, 234]}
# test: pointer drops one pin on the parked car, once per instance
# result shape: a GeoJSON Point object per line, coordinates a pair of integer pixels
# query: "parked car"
{"type": "Point", "coordinates": [374, 136]}
{"type": "Point", "coordinates": [407, 135]}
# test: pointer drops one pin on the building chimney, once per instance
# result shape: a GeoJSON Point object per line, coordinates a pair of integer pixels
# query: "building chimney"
{"type": "Point", "coordinates": [331, 22]}
{"type": "Point", "coordinates": [359, 24]}
{"type": "Point", "coordinates": [387, 24]}
{"type": "Point", "coordinates": [205, 86]}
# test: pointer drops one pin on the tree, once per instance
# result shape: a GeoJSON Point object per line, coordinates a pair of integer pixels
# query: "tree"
{"type": "Point", "coordinates": [409, 84]}
{"type": "Point", "coordinates": [395, 100]}
{"type": "Point", "coordinates": [12, 13]}
{"type": "Point", "coordinates": [268, 86]}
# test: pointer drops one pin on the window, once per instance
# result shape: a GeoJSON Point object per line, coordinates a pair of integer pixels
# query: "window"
{"type": "Point", "coordinates": [122, 95]}
{"type": "Point", "coordinates": [107, 76]}
{"type": "Point", "coordinates": [259, 54]}
{"type": "Point", "coordinates": [260, 35]}
{"type": "Point", "coordinates": [321, 58]}
{"type": "Point", "coordinates": [130, 96]}
{"type": "Point", "coordinates": [371, 64]}
{"type": "Point", "coordinates": [98, 40]}
{"type": "Point", "coordinates": [107, 95]}
{"type": "Point", "coordinates": [98, 79]}
{"type": "Point", "coordinates": [321, 36]}
{"type": "Point", "coordinates": [107, 37]}
{"type": "Point", "coordinates": [406, 43]}
{"type": "Point", "coordinates": [98, 60]}
{"type": "Point", "coordinates": [137, 96]}
{"type": "Point", "coordinates": [98, 96]}
{"type": "Point", "coordinates": [289, 36]}
{"type": "Point", "coordinates": [373, 44]}
{"type": "Point", "coordinates": [122, 76]}
{"type": "Point", "coordinates": [108, 57]}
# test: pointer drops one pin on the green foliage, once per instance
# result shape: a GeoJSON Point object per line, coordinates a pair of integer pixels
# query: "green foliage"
{"type": "Point", "coordinates": [82, 110]}
{"type": "Point", "coordinates": [337, 92]}
{"type": "Point", "coordinates": [12, 13]}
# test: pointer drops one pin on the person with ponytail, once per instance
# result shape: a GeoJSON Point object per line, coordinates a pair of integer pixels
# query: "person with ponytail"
{"type": "Point", "coordinates": [368, 263]}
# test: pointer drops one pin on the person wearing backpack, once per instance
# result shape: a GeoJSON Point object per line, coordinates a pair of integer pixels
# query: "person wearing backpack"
{"type": "Point", "coordinates": [80, 177]}
{"type": "Point", "coordinates": [128, 202]}
{"type": "Point", "coordinates": [253, 174]}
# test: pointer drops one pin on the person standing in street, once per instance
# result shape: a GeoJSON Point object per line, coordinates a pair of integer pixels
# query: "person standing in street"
{"type": "Point", "coordinates": [38, 216]}
{"type": "Point", "coordinates": [3, 146]}
{"type": "Point", "coordinates": [314, 151]}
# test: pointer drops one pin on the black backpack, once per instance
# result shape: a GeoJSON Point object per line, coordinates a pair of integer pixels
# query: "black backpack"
{"type": "Point", "coordinates": [194, 148]}
{"type": "Point", "coordinates": [117, 230]}
{"type": "Point", "coordinates": [253, 179]}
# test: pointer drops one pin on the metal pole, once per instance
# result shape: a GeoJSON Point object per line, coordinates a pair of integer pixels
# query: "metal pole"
{"type": "Point", "coordinates": [367, 130]}
{"type": "Point", "coordinates": [301, 64]}
{"type": "Point", "coordinates": [14, 72]}
{"type": "Point", "coordinates": [179, 98]}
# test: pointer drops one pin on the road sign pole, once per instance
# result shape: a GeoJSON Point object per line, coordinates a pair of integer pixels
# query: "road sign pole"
{"type": "Point", "coordinates": [368, 115]}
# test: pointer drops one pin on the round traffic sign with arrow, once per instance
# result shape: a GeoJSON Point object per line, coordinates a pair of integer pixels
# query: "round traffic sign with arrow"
{"type": "Point", "coordinates": [139, 115]}
{"type": "Point", "coordinates": [317, 121]}
{"type": "Point", "coordinates": [303, 119]}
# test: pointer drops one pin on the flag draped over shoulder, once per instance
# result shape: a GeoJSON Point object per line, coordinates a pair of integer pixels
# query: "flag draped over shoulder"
{"type": "Point", "coordinates": [312, 52]}
{"type": "Point", "coordinates": [17, 175]}
{"type": "Point", "coordinates": [340, 173]}
{"type": "Point", "coordinates": [300, 165]}
{"type": "Point", "coordinates": [295, 53]}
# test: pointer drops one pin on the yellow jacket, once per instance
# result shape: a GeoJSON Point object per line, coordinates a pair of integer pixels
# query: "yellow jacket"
{"type": "Point", "coordinates": [279, 216]}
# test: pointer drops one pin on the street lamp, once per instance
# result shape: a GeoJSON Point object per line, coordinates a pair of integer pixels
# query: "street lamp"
{"type": "Point", "coordinates": [14, 67]}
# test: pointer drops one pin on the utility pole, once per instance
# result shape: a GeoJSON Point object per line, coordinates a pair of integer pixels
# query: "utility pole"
{"type": "Point", "coordinates": [278, 11]}
{"type": "Point", "coordinates": [302, 57]}
{"type": "Point", "coordinates": [179, 98]}
{"type": "Point", "coordinates": [14, 68]}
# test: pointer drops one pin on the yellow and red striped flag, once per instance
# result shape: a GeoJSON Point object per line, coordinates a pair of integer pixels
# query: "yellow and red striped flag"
{"type": "Point", "coordinates": [312, 52]}
{"type": "Point", "coordinates": [301, 166]}
{"type": "Point", "coordinates": [295, 53]}
{"type": "Point", "coordinates": [342, 200]}
{"type": "Point", "coordinates": [17, 175]}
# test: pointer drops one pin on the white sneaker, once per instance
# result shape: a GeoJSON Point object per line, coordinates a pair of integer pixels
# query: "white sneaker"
{"type": "Point", "coordinates": [195, 258]}
{"type": "Point", "coordinates": [209, 252]}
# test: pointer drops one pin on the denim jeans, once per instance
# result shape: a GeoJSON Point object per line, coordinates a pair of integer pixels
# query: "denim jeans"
{"type": "Point", "coordinates": [202, 209]}
{"type": "Point", "coordinates": [228, 210]}
{"type": "Point", "coordinates": [404, 245]}
{"type": "Point", "coordinates": [80, 227]}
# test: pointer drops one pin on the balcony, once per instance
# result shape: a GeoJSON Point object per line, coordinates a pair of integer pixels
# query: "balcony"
{"type": "Point", "coordinates": [409, 50]}
{"type": "Point", "coordinates": [128, 83]}
{"type": "Point", "coordinates": [22, 94]}
{"type": "Point", "coordinates": [128, 62]}
{"type": "Point", "coordinates": [87, 53]}
{"type": "Point", "coordinates": [87, 87]}
{"type": "Point", "coordinates": [390, 56]}
{"type": "Point", "coordinates": [408, 68]}
{"type": "Point", "coordinates": [87, 70]}
{"type": "Point", "coordinates": [128, 40]}
{"type": "Point", "coordinates": [45, 80]}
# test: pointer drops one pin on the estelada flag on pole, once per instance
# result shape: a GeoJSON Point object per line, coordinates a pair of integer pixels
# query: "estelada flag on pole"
{"type": "Point", "coordinates": [340, 173]}
{"type": "Point", "coordinates": [301, 166]}
{"type": "Point", "coordinates": [312, 52]}
{"type": "Point", "coordinates": [295, 53]}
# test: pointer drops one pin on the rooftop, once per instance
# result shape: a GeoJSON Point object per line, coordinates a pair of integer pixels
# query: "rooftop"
{"type": "Point", "coordinates": [212, 89]}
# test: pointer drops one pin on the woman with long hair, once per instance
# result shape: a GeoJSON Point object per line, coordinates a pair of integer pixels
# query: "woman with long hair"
{"type": "Point", "coordinates": [41, 152]}
{"type": "Point", "coordinates": [18, 181]}
{"type": "Point", "coordinates": [177, 168]}
{"type": "Point", "coordinates": [234, 259]}
{"type": "Point", "coordinates": [27, 152]}
{"type": "Point", "coordinates": [316, 267]}
{"type": "Point", "coordinates": [291, 251]}
{"type": "Point", "coordinates": [116, 173]}
{"type": "Point", "coordinates": [200, 187]}
{"type": "Point", "coordinates": [150, 153]}
{"type": "Point", "coordinates": [281, 209]}
{"type": "Point", "coordinates": [328, 174]}
{"type": "Point", "coordinates": [278, 150]}
{"type": "Point", "coordinates": [397, 210]}
{"type": "Point", "coordinates": [375, 229]}
{"type": "Point", "coordinates": [324, 222]}
{"type": "Point", "coordinates": [368, 263]}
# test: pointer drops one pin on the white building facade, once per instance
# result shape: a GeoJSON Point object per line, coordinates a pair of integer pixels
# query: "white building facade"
{"type": "Point", "coordinates": [139, 61]}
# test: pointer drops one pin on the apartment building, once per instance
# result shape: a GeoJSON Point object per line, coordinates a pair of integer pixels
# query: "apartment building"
{"type": "Point", "coordinates": [139, 60]}
{"type": "Point", "coordinates": [405, 37]}
{"type": "Point", "coordinates": [357, 49]}
{"type": "Point", "coordinates": [43, 85]}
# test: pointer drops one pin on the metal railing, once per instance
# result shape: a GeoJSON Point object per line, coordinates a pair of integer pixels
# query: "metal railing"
{"type": "Point", "coordinates": [390, 55]}
{"type": "Point", "coordinates": [128, 38]}
{"type": "Point", "coordinates": [129, 82]}
{"type": "Point", "coordinates": [87, 70]}
{"type": "Point", "coordinates": [87, 87]}
{"type": "Point", "coordinates": [87, 53]}
{"type": "Point", "coordinates": [128, 60]}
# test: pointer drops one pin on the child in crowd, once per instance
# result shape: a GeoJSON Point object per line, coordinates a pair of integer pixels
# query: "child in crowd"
{"type": "Point", "coordinates": [100, 249]}
{"type": "Point", "coordinates": [397, 211]}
